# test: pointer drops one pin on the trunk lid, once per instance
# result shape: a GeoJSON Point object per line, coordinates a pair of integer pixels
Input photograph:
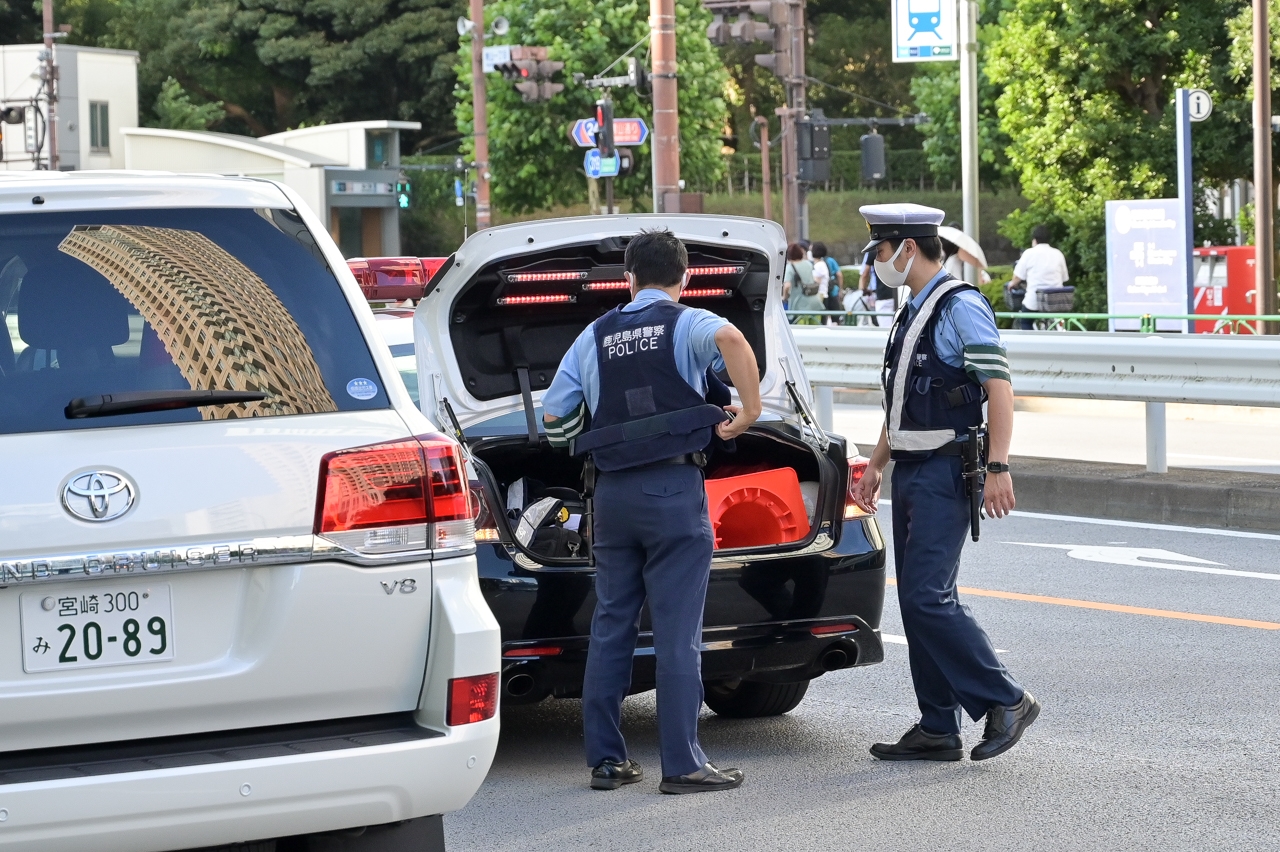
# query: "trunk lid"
{"type": "Point", "coordinates": [514, 298]}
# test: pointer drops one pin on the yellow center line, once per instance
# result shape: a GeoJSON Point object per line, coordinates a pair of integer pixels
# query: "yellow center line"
{"type": "Point", "coordinates": [1131, 610]}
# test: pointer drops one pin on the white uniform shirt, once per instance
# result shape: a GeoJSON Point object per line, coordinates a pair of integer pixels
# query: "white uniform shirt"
{"type": "Point", "coordinates": [1042, 265]}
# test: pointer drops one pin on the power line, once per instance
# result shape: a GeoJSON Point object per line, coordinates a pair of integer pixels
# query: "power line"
{"type": "Point", "coordinates": [852, 93]}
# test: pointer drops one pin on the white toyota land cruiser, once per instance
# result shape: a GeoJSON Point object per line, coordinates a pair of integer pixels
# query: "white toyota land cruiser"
{"type": "Point", "coordinates": [238, 593]}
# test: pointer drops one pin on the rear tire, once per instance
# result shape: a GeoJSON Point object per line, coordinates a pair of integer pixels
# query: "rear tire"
{"type": "Point", "coordinates": [746, 699]}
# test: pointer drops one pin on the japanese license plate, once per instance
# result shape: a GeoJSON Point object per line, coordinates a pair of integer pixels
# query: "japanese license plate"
{"type": "Point", "coordinates": [102, 626]}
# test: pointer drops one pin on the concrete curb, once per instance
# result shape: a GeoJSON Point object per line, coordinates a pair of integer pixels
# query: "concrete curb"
{"type": "Point", "coordinates": [1184, 497]}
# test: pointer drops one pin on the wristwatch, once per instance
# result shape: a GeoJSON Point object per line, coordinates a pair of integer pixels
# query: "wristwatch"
{"type": "Point", "coordinates": [997, 467]}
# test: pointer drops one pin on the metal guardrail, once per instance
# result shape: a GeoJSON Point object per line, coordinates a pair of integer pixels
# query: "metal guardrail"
{"type": "Point", "coordinates": [1151, 368]}
{"type": "Point", "coordinates": [1147, 323]}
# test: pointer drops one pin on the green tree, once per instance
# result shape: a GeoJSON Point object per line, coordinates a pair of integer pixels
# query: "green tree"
{"type": "Point", "coordinates": [533, 162]}
{"type": "Point", "coordinates": [175, 109]}
{"type": "Point", "coordinates": [20, 22]}
{"type": "Point", "coordinates": [1087, 105]}
{"type": "Point", "coordinates": [276, 64]}
{"type": "Point", "coordinates": [936, 88]}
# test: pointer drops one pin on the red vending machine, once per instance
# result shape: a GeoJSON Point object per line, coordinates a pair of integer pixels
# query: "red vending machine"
{"type": "Point", "coordinates": [1224, 284]}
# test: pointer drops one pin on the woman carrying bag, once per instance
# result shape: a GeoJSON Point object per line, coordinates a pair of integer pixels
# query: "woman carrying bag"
{"type": "Point", "coordinates": [799, 288]}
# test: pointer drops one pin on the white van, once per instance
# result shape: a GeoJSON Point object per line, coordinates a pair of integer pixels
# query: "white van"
{"type": "Point", "coordinates": [238, 588]}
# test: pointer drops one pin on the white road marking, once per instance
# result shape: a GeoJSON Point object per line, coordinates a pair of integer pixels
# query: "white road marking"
{"type": "Point", "coordinates": [1142, 556]}
{"type": "Point", "coordinates": [1143, 525]}
{"type": "Point", "coordinates": [895, 639]}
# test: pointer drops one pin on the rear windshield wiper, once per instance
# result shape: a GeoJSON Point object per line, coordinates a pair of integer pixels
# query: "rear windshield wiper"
{"type": "Point", "coordinates": [135, 402]}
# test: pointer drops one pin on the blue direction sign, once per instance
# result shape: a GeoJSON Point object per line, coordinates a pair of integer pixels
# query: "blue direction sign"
{"type": "Point", "coordinates": [627, 132]}
{"type": "Point", "coordinates": [583, 132]}
{"type": "Point", "coordinates": [600, 167]}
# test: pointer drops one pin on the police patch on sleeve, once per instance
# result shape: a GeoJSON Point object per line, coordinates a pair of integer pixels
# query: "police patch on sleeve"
{"type": "Point", "coordinates": [631, 341]}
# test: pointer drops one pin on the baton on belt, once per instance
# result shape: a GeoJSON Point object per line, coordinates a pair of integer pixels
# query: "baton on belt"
{"type": "Point", "coordinates": [974, 475]}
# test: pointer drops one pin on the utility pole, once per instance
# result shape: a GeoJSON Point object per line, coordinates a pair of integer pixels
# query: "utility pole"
{"type": "Point", "coordinates": [766, 180]}
{"type": "Point", "coordinates": [969, 124]}
{"type": "Point", "coordinates": [480, 115]}
{"type": "Point", "coordinates": [1264, 200]}
{"type": "Point", "coordinates": [51, 85]}
{"type": "Point", "coordinates": [788, 17]}
{"type": "Point", "coordinates": [666, 119]}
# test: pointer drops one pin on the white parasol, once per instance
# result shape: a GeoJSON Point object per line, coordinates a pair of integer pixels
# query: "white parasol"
{"type": "Point", "coordinates": [969, 250]}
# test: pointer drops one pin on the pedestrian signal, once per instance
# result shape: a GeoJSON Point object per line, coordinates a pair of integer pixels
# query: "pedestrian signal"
{"type": "Point", "coordinates": [404, 194]}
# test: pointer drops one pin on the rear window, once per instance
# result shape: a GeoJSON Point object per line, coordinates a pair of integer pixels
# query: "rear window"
{"type": "Point", "coordinates": [107, 302]}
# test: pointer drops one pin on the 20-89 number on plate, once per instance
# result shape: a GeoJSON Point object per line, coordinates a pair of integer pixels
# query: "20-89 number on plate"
{"type": "Point", "coordinates": [88, 627]}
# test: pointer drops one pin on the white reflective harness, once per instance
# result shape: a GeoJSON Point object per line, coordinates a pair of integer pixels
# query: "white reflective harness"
{"type": "Point", "coordinates": [912, 440]}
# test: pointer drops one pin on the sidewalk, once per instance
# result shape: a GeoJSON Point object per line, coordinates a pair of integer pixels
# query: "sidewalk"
{"type": "Point", "coordinates": [1214, 437]}
{"type": "Point", "coordinates": [1087, 458]}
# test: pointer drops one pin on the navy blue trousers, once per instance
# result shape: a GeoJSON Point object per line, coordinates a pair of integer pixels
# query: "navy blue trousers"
{"type": "Point", "coordinates": [652, 541]}
{"type": "Point", "coordinates": [953, 664]}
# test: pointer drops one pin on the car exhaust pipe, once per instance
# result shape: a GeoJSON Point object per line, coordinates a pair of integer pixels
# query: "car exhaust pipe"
{"type": "Point", "coordinates": [835, 658]}
{"type": "Point", "coordinates": [519, 685]}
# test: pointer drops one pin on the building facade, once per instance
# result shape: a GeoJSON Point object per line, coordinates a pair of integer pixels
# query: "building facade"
{"type": "Point", "coordinates": [97, 98]}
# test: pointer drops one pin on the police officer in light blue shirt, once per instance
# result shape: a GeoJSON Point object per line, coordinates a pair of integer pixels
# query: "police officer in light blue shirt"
{"type": "Point", "coordinates": [944, 359]}
{"type": "Point", "coordinates": [633, 394]}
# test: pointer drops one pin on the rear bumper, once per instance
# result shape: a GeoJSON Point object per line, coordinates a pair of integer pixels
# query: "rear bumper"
{"type": "Point", "coordinates": [768, 653]}
{"type": "Point", "coordinates": [239, 800]}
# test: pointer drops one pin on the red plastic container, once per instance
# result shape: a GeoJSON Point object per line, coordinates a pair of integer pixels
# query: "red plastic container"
{"type": "Point", "coordinates": [757, 509]}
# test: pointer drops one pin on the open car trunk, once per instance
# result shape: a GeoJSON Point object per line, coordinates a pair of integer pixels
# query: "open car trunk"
{"type": "Point", "coordinates": [746, 521]}
{"type": "Point", "coordinates": [500, 315]}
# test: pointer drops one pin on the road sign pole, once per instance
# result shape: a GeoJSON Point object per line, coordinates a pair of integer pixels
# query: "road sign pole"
{"type": "Point", "coordinates": [1264, 202]}
{"type": "Point", "coordinates": [969, 124]}
{"type": "Point", "coordinates": [766, 181]}
{"type": "Point", "coordinates": [1186, 194]}
{"type": "Point", "coordinates": [481, 115]}
{"type": "Point", "coordinates": [608, 195]}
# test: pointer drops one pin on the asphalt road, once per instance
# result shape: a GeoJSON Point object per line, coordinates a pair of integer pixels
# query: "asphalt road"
{"type": "Point", "coordinates": [1158, 732]}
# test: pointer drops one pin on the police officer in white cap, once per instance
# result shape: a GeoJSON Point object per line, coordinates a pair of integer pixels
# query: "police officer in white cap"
{"type": "Point", "coordinates": [944, 359]}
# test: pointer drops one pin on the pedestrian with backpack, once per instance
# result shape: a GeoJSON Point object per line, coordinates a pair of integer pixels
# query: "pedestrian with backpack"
{"type": "Point", "coordinates": [799, 286]}
{"type": "Point", "coordinates": [835, 280]}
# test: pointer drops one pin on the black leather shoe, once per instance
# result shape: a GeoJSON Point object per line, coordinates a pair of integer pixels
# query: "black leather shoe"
{"type": "Point", "coordinates": [611, 776]}
{"type": "Point", "coordinates": [919, 744]}
{"type": "Point", "coordinates": [1005, 726]}
{"type": "Point", "coordinates": [705, 780]}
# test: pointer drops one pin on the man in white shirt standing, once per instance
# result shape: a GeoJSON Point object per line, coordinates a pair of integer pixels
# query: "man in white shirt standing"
{"type": "Point", "coordinates": [1040, 266]}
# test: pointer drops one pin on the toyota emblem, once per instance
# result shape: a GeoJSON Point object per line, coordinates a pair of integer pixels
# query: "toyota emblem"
{"type": "Point", "coordinates": [98, 495]}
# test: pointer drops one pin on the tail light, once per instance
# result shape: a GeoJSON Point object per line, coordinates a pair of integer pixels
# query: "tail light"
{"type": "Point", "coordinates": [857, 467]}
{"type": "Point", "coordinates": [472, 699]}
{"type": "Point", "coordinates": [706, 293]}
{"type": "Point", "coordinates": [396, 498]}
{"type": "Point", "coordinates": [534, 651]}
{"type": "Point", "coordinates": [486, 526]}
{"type": "Point", "coordinates": [830, 629]}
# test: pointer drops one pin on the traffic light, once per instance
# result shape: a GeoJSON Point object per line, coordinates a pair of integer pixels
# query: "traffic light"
{"type": "Point", "coordinates": [404, 193]}
{"type": "Point", "coordinates": [813, 148]}
{"type": "Point", "coordinates": [531, 71]}
{"type": "Point", "coordinates": [604, 120]}
{"type": "Point", "coordinates": [873, 164]}
{"type": "Point", "coordinates": [746, 30]}
{"type": "Point", "coordinates": [637, 76]}
{"type": "Point", "coordinates": [547, 89]}
{"type": "Point", "coordinates": [743, 28]}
